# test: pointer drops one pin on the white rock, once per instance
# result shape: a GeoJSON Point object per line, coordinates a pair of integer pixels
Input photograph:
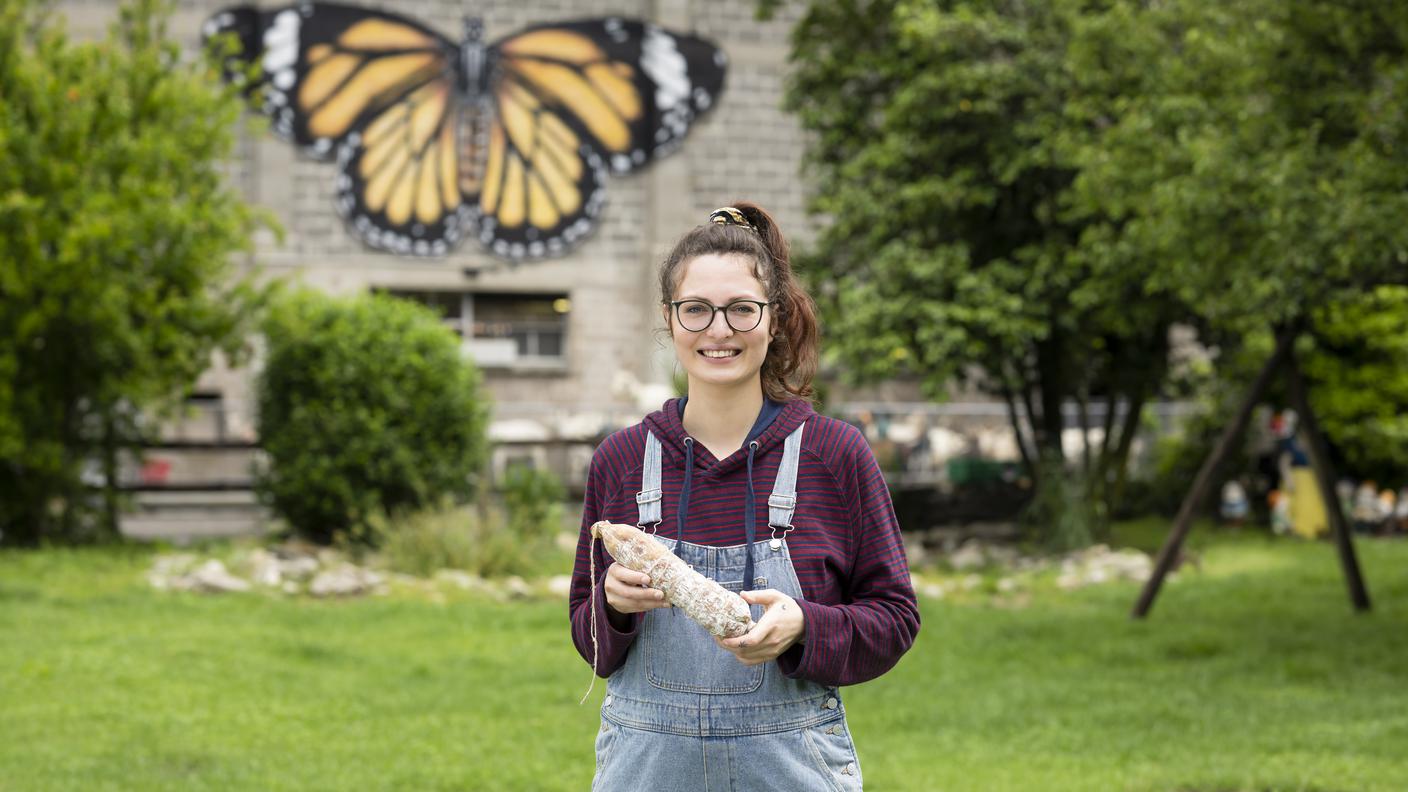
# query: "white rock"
{"type": "Point", "coordinates": [343, 581]}
{"type": "Point", "coordinates": [969, 556]}
{"type": "Point", "coordinates": [460, 579]}
{"type": "Point", "coordinates": [166, 569]}
{"type": "Point", "coordinates": [212, 577]}
{"type": "Point", "coordinates": [264, 568]}
{"type": "Point", "coordinates": [1003, 555]}
{"type": "Point", "coordinates": [299, 568]}
{"type": "Point", "coordinates": [560, 585]}
{"type": "Point", "coordinates": [914, 551]}
{"type": "Point", "coordinates": [566, 542]}
{"type": "Point", "coordinates": [517, 588]}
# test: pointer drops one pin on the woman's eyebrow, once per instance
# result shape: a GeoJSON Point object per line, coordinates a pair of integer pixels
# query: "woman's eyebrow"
{"type": "Point", "coordinates": [725, 302]}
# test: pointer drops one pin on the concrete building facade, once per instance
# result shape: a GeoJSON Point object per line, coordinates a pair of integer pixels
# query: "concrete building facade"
{"type": "Point", "coordinates": [570, 345]}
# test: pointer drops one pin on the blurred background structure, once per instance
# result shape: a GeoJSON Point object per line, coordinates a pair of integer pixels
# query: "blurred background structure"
{"type": "Point", "coordinates": [567, 345]}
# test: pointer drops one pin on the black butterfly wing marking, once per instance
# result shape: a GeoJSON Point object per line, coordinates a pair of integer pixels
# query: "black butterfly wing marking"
{"type": "Point", "coordinates": [610, 93]}
{"type": "Point", "coordinates": [327, 67]}
{"type": "Point", "coordinates": [380, 92]}
{"type": "Point", "coordinates": [426, 157]}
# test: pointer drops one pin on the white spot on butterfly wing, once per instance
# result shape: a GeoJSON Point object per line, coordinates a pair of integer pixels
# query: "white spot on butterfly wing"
{"type": "Point", "coordinates": [616, 30]}
{"type": "Point", "coordinates": [665, 66]}
{"type": "Point", "coordinates": [281, 43]}
{"type": "Point", "coordinates": [217, 24]}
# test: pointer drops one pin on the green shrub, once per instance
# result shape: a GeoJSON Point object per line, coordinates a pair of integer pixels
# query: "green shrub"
{"type": "Point", "coordinates": [481, 540]}
{"type": "Point", "coordinates": [1062, 516]}
{"type": "Point", "coordinates": [366, 408]}
{"type": "Point", "coordinates": [533, 500]}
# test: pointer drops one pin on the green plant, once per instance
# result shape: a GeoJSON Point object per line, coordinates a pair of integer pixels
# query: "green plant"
{"type": "Point", "coordinates": [1062, 515]}
{"type": "Point", "coordinates": [117, 283]}
{"type": "Point", "coordinates": [483, 541]}
{"type": "Point", "coordinates": [533, 500]}
{"type": "Point", "coordinates": [366, 407]}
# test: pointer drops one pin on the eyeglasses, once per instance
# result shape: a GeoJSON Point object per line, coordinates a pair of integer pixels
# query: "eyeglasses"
{"type": "Point", "coordinates": [697, 315]}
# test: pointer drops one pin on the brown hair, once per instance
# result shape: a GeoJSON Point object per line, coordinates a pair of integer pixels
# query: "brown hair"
{"type": "Point", "coordinates": [792, 356]}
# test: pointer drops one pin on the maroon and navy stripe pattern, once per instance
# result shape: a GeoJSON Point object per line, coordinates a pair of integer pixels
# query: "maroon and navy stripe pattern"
{"type": "Point", "coordinates": [858, 600]}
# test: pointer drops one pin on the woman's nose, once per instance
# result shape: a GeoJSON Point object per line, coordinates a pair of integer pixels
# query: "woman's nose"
{"type": "Point", "coordinates": [718, 326]}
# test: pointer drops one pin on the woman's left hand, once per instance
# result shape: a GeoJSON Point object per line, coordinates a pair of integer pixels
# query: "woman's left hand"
{"type": "Point", "coordinates": [781, 625]}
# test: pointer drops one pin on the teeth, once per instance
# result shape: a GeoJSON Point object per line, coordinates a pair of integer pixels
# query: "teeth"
{"type": "Point", "coordinates": [719, 353]}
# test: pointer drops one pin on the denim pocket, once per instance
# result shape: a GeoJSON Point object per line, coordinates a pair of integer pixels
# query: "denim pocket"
{"type": "Point", "coordinates": [835, 755]}
{"type": "Point", "coordinates": [604, 739]}
{"type": "Point", "coordinates": [682, 656]}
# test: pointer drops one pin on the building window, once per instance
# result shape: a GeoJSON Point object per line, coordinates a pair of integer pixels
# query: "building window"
{"type": "Point", "coordinates": [515, 331]}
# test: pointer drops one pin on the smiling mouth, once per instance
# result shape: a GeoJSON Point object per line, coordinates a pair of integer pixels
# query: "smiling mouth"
{"type": "Point", "coordinates": [719, 353]}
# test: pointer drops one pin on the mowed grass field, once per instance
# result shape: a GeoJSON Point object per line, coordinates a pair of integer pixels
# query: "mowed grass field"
{"type": "Point", "coordinates": [1251, 674]}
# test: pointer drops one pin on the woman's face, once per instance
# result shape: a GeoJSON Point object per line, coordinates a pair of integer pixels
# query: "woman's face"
{"type": "Point", "coordinates": [719, 355]}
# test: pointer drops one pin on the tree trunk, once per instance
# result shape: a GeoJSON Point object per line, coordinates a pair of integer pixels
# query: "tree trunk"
{"type": "Point", "coordinates": [1050, 370]}
{"type": "Point", "coordinates": [111, 507]}
{"type": "Point", "coordinates": [1129, 427]}
{"type": "Point", "coordinates": [1016, 420]}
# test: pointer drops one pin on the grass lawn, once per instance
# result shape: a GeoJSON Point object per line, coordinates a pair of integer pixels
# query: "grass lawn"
{"type": "Point", "coordinates": [1252, 674]}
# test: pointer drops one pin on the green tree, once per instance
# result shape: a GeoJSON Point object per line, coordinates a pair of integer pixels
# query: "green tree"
{"type": "Point", "coordinates": [1026, 195]}
{"type": "Point", "coordinates": [1259, 165]}
{"type": "Point", "coordinates": [948, 137]}
{"type": "Point", "coordinates": [1358, 374]}
{"type": "Point", "coordinates": [1260, 168]}
{"type": "Point", "coordinates": [116, 234]}
{"type": "Point", "coordinates": [367, 409]}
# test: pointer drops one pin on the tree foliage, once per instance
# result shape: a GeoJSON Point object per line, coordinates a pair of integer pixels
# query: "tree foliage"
{"type": "Point", "coordinates": [367, 409]}
{"type": "Point", "coordinates": [1358, 370]}
{"type": "Point", "coordinates": [1260, 166]}
{"type": "Point", "coordinates": [1262, 170]}
{"type": "Point", "coordinates": [1025, 196]}
{"type": "Point", "coordinates": [116, 234]}
{"type": "Point", "coordinates": [948, 140]}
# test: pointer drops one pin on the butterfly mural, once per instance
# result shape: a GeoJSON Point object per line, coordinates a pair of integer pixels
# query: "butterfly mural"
{"type": "Point", "coordinates": [436, 141]}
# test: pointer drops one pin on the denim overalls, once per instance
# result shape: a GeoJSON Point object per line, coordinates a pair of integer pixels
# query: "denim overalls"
{"type": "Point", "coordinates": [683, 714]}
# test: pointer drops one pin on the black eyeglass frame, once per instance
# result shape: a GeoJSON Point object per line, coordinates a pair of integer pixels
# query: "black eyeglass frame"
{"type": "Point", "coordinates": [714, 311]}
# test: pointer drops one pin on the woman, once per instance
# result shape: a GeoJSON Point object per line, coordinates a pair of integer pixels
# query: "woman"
{"type": "Point", "coordinates": [824, 571]}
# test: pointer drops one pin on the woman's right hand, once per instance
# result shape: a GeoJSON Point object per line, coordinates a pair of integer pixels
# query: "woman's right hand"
{"type": "Point", "coordinates": [628, 591]}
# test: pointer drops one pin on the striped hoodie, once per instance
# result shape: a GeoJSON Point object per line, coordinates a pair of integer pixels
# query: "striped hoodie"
{"type": "Point", "coordinates": [857, 596]}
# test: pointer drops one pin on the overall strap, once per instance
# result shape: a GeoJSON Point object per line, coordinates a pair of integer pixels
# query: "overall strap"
{"type": "Point", "coordinates": [783, 500]}
{"type": "Point", "coordinates": [650, 495]}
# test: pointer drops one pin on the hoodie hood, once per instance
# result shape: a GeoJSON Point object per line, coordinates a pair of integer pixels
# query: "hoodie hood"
{"type": "Point", "coordinates": [668, 425]}
{"type": "Point", "coordinates": [678, 447]}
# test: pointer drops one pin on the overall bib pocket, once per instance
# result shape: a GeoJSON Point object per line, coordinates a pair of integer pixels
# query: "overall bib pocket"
{"type": "Point", "coordinates": [681, 656]}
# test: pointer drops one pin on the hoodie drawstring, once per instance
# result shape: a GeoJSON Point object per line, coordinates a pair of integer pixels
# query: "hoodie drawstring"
{"type": "Point", "coordinates": [683, 511]}
{"type": "Point", "coordinates": [748, 520]}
